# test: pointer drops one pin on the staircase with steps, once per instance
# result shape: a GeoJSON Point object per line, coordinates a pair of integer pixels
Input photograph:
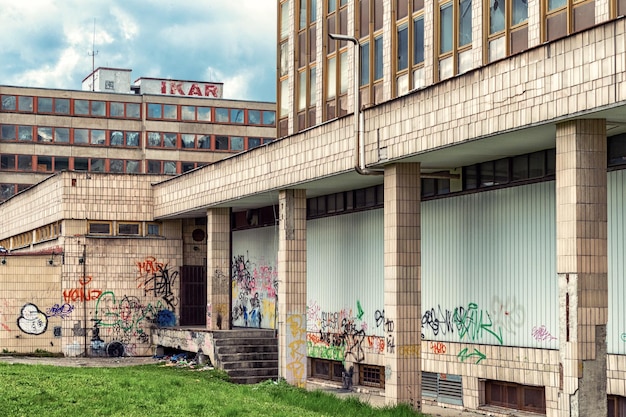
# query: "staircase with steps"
{"type": "Point", "coordinates": [247, 355]}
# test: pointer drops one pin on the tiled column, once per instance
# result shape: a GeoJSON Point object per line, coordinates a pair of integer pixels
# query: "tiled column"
{"type": "Point", "coordinates": [402, 285]}
{"type": "Point", "coordinates": [581, 229]}
{"type": "Point", "coordinates": [218, 269]}
{"type": "Point", "coordinates": [292, 286]}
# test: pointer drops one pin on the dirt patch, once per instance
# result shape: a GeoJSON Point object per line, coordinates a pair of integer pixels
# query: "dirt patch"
{"type": "Point", "coordinates": [82, 361]}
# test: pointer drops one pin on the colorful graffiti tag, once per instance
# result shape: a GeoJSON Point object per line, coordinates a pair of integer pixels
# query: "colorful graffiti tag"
{"type": "Point", "coordinates": [255, 290]}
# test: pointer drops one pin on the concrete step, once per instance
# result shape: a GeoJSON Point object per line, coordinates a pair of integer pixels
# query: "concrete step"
{"type": "Point", "coordinates": [243, 333]}
{"type": "Point", "coordinates": [245, 341]}
{"type": "Point", "coordinates": [267, 373]}
{"type": "Point", "coordinates": [241, 365]}
{"type": "Point", "coordinates": [229, 350]}
{"type": "Point", "coordinates": [252, 356]}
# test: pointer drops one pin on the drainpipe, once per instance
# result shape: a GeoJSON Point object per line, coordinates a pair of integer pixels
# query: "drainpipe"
{"type": "Point", "coordinates": [359, 151]}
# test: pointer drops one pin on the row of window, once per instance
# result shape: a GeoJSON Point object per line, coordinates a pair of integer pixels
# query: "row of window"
{"type": "Point", "coordinates": [345, 202]}
{"type": "Point", "coordinates": [43, 163]}
{"type": "Point", "coordinates": [118, 138]}
{"type": "Point", "coordinates": [122, 110]}
{"type": "Point", "coordinates": [41, 234]}
{"type": "Point", "coordinates": [118, 228]}
{"type": "Point", "coordinates": [506, 33]}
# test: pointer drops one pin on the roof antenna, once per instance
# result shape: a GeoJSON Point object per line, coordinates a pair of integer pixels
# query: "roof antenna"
{"type": "Point", "coordinates": [93, 54]}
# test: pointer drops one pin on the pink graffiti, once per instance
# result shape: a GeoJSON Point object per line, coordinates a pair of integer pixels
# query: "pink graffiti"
{"type": "Point", "coordinates": [541, 333]}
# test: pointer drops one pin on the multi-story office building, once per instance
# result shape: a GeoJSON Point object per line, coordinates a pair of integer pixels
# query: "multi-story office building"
{"type": "Point", "coordinates": [150, 126]}
{"type": "Point", "coordinates": [456, 234]}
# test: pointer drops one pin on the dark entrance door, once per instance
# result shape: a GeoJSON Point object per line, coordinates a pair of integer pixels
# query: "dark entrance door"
{"type": "Point", "coordinates": [193, 295]}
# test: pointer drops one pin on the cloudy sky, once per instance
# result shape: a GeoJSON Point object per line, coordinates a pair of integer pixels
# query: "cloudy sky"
{"type": "Point", "coordinates": [48, 43]}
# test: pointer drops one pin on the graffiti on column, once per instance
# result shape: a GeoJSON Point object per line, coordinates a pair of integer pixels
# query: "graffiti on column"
{"type": "Point", "coordinates": [296, 350]}
{"type": "Point", "coordinates": [255, 288]}
{"type": "Point", "coordinates": [32, 320]}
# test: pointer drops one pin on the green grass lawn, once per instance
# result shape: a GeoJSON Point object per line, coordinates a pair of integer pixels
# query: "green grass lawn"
{"type": "Point", "coordinates": [157, 390]}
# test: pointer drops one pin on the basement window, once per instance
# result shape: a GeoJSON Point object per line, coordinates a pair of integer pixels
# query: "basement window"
{"type": "Point", "coordinates": [372, 376]}
{"type": "Point", "coordinates": [515, 396]}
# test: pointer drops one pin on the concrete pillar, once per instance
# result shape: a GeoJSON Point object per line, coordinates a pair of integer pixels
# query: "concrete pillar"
{"type": "Point", "coordinates": [581, 229]}
{"type": "Point", "coordinates": [402, 285]}
{"type": "Point", "coordinates": [218, 269]}
{"type": "Point", "coordinates": [292, 286]}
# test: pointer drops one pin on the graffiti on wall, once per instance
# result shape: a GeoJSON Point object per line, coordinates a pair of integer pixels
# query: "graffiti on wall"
{"type": "Point", "coordinates": [341, 335]}
{"type": "Point", "coordinates": [129, 320]}
{"type": "Point", "coordinates": [254, 290]}
{"type": "Point", "coordinates": [470, 323]}
{"type": "Point", "coordinates": [32, 320]}
{"type": "Point", "coordinates": [60, 310]}
{"type": "Point", "coordinates": [158, 279]}
{"type": "Point", "coordinates": [3, 324]}
{"type": "Point", "coordinates": [81, 293]}
{"type": "Point", "coordinates": [507, 314]}
{"type": "Point", "coordinates": [541, 333]}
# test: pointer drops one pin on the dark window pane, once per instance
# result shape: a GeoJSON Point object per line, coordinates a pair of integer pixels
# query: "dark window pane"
{"type": "Point", "coordinates": [117, 138]}
{"type": "Point", "coordinates": [25, 103]}
{"type": "Point", "coordinates": [7, 132]}
{"type": "Point", "coordinates": [25, 132]}
{"type": "Point", "coordinates": [81, 136]}
{"type": "Point", "coordinates": [98, 108]}
{"type": "Point", "coordinates": [44, 163]}
{"type": "Point", "coordinates": [7, 162]}
{"type": "Point", "coordinates": [117, 109]}
{"type": "Point", "coordinates": [221, 115]}
{"type": "Point", "coordinates": [470, 177]}
{"type": "Point", "coordinates": [169, 140]}
{"type": "Point", "coordinates": [169, 111]}
{"type": "Point", "coordinates": [81, 164]}
{"type": "Point", "coordinates": [61, 163]}
{"type": "Point", "coordinates": [428, 187]}
{"type": "Point", "coordinates": [97, 165]}
{"type": "Point", "coordinates": [403, 47]}
{"type": "Point", "coordinates": [188, 141]}
{"type": "Point", "coordinates": [153, 229]}
{"type": "Point", "coordinates": [132, 110]}
{"type": "Point", "coordinates": [236, 115]}
{"type": "Point", "coordinates": [487, 174]}
{"type": "Point", "coordinates": [154, 139]}
{"type": "Point", "coordinates": [81, 107]}
{"type": "Point", "coordinates": [169, 167]}
{"type": "Point", "coordinates": [62, 135]}
{"type": "Point", "coordinates": [24, 162]}
{"type": "Point", "coordinates": [536, 163]}
{"type": "Point", "coordinates": [116, 165]}
{"type": "Point", "coordinates": [501, 171]}
{"type": "Point", "coordinates": [204, 114]}
{"type": "Point", "coordinates": [100, 228]}
{"type": "Point", "coordinates": [418, 40]}
{"type": "Point", "coordinates": [44, 134]}
{"type": "Point", "coordinates": [378, 58]}
{"type": "Point", "coordinates": [44, 105]}
{"type": "Point", "coordinates": [154, 167]}
{"type": "Point", "coordinates": [188, 112]}
{"type": "Point", "coordinates": [269, 118]}
{"type": "Point", "coordinates": [98, 137]}
{"type": "Point", "coordinates": [9, 103]}
{"type": "Point", "coordinates": [62, 105]}
{"type": "Point", "coordinates": [154, 111]}
{"type": "Point", "coordinates": [254, 117]}
{"type": "Point", "coordinates": [127, 229]}
{"type": "Point", "coordinates": [132, 138]}
{"type": "Point", "coordinates": [187, 166]}
{"type": "Point", "coordinates": [204, 142]}
{"type": "Point", "coordinates": [520, 168]}
{"type": "Point", "coordinates": [236, 143]}
{"type": "Point", "coordinates": [221, 142]}
{"type": "Point", "coordinates": [132, 167]}
{"type": "Point", "coordinates": [253, 142]}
